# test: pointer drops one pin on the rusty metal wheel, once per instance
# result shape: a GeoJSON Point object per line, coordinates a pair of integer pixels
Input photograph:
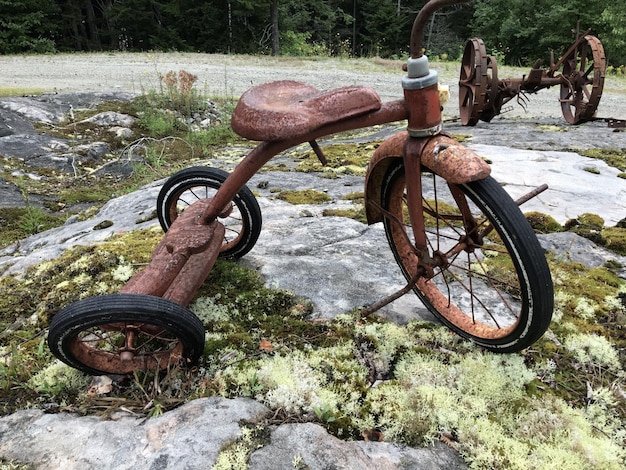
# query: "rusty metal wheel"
{"type": "Point", "coordinates": [487, 277]}
{"type": "Point", "coordinates": [473, 82]}
{"type": "Point", "coordinates": [243, 223]}
{"type": "Point", "coordinates": [583, 81]}
{"type": "Point", "coordinates": [123, 333]}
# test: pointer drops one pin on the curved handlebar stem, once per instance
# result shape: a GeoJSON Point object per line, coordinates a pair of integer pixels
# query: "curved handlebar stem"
{"type": "Point", "coordinates": [417, 33]}
{"type": "Point", "coordinates": [421, 83]}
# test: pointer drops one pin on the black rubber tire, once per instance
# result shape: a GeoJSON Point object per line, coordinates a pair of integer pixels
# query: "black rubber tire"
{"type": "Point", "coordinates": [151, 318]}
{"type": "Point", "coordinates": [517, 289]}
{"type": "Point", "coordinates": [243, 225]}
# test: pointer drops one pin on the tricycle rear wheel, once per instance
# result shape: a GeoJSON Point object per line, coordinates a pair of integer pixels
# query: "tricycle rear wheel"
{"type": "Point", "coordinates": [124, 333]}
{"type": "Point", "coordinates": [243, 224]}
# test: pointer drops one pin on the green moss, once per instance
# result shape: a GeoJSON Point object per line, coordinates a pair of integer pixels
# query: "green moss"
{"type": "Point", "coordinates": [462, 137]}
{"type": "Point", "coordinates": [430, 381]}
{"type": "Point", "coordinates": [615, 239]}
{"type": "Point", "coordinates": [356, 214]}
{"type": "Point", "coordinates": [18, 91]}
{"type": "Point", "coordinates": [414, 382]}
{"type": "Point", "coordinates": [591, 226]}
{"type": "Point", "coordinates": [551, 128]}
{"type": "Point", "coordinates": [613, 157]}
{"type": "Point", "coordinates": [432, 208]}
{"type": "Point", "coordinates": [591, 220]}
{"type": "Point", "coordinates": [543, 223]}
{"type": "Point", "coordinates": [351, 159]}
{"type": "Point", "coordinates": [355, 196]}
{"type": "Point", "coordinates": [307, 196]}
{"type": "Point", "coordinates": [80, 272]}
{"type": "Point", "coordinates": [17, 223]}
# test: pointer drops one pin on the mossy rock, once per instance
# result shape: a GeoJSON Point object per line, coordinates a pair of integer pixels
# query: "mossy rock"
{"type": "Point", "coordinates": [586, 221]}
{"type": "Point", "coordinates": [615, 239]}
{"type": "Point", "coordinates": [591, 220]}
{"type": "Point", "coordinates": [543, 223]}
{"type": "Point", "coordinates": [356, 214]}
{"type": "Point", "coordinates": [307, 196]}
{"type": "Point", "coordinates": [591, 227]}
{"type": "Point", "coordinates": [613, 157]}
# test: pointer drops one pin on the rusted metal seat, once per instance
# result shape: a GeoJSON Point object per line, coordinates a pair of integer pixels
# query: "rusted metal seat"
{"type": "Point", "coordinates": [288, 109]}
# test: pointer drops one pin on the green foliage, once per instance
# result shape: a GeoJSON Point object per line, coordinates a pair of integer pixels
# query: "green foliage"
{"type": "Point", "coordinates": [160, 123]}
{"type": "Point", "coordinates": [19, 222]}
{"type": "Point", "coordinates": [24, 26]}
{"type": "Point", "coordinates": [543, 223]}
{"type": "Point", "coordinates": [298, 44]}
{"type": "Point", "coordinates": [324, 414]}
{"type": "Point", "coordinates": [307, 196]}
{"type": "Point", "coordinates": [524, 31]}
{"type": "Point", "coordinates": [514, 31]}
{"type": "Point", "coordinates": [613, 19]}
{"type": "Point", "coordinates": [206, 139]}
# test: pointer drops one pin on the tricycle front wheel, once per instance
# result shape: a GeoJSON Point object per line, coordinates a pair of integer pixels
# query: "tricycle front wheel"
{"type": "Point", "coordinates": [488, 279]}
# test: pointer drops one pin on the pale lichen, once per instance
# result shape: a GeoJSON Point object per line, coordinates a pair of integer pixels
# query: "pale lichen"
{"type": "Point", "coordinates": [592, 350]}
{"type": "Point", "coordinates": [58, 377]}
{"type": "Point", "coordinates": [413, 382]}
{"type": "Point", "coordinates": [235, 455]}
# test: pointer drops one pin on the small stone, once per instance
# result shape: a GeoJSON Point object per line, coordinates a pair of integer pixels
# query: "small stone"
{"type": "Point", "coordinates": [102, 225]}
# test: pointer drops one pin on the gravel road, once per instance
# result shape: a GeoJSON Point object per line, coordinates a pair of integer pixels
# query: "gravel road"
{"type": "Point", "coordinates": [231, 75]}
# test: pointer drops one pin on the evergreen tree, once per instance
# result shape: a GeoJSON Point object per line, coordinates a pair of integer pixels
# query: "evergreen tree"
{"type": "Point", "coordinates": [25, 26]}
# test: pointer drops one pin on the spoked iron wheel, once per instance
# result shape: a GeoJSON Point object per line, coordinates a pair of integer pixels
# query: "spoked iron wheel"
{"type": "Point", "coordinates": [488, 280]}
{"type": "Point", "coordinates": [123, 333]}
{"type": "Point", "coordinates": [243, 223]}
{"type": "Point", "coordinates": [583, 81]}
{"type": "Point", "coordinates": [473, 82]}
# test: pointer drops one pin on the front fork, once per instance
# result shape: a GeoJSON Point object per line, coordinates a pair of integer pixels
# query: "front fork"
{"type": "Point", "coordinates": [426, 146]}
{"type": "Point", "coordinates": [413, 175]}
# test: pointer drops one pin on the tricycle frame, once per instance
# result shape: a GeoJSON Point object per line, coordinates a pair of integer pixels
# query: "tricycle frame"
{"type": "Point", "coordinates": [433, 255]}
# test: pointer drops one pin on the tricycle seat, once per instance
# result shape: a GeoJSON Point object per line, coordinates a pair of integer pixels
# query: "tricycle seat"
{"type": "Point", "coordinates": [289, 109]}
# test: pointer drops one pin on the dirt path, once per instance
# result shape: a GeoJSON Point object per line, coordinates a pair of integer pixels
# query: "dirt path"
{"type": "Point", "coordinates": [232, 75]}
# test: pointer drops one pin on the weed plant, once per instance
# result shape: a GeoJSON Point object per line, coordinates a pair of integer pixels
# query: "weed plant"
{"type": "Point", "coordinates": [163, 143]}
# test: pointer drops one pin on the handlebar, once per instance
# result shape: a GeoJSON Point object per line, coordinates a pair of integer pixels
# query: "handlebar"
{"type": "Point", "coordinates": [417, 32]}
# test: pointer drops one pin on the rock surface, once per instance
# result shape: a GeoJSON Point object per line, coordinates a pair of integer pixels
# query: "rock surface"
{"type": "Point", "coordinates": [336, 262]}
{"type": "Point", "coordinates": [191, 437]}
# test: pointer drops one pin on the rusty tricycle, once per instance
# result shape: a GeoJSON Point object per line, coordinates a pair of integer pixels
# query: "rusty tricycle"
{"type": "Point", "coordinates": [462, 243]}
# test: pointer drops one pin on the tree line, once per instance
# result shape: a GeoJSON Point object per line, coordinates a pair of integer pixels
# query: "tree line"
{"type": "Point", "coordinates": [516, 31]}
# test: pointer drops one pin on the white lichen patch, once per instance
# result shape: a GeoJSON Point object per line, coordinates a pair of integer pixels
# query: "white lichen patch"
{"type": "Point", "coordinates": [209, 309]}
{"type": "Point", "coordinates": [58, 377]}
{"type": "Point", "coordinates": [593, 351]}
